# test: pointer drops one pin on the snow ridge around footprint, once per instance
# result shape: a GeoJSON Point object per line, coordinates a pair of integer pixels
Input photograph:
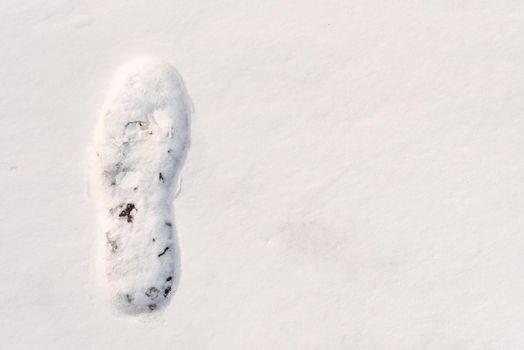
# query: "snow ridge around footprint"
{"type": "Point", "coordinates": [141, 142]}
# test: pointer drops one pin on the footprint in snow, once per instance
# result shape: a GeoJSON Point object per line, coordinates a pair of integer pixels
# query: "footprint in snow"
{"type": "Point", "coordinates": [141, 142]}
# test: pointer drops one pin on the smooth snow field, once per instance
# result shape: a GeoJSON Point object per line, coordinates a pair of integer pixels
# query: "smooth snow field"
{"type": "Point", "coordinates": [354, 179]}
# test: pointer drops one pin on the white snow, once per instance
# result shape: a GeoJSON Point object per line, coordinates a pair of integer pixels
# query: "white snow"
{"type": "Point", "coordinates": [355, 178]}
{"type": "Point", "coordinates": [141, 143]}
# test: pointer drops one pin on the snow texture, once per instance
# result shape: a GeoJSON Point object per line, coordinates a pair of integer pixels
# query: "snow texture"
{"type": "Point", "coordinates": [355, 178]}
{"type": "Point", "coordinates": [141, 143]}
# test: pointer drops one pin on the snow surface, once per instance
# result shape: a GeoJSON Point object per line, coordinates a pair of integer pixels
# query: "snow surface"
{"type": "Point", "coordinates": [141, 144]}
{"type": "Point", "coordinates": [355, 179]}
